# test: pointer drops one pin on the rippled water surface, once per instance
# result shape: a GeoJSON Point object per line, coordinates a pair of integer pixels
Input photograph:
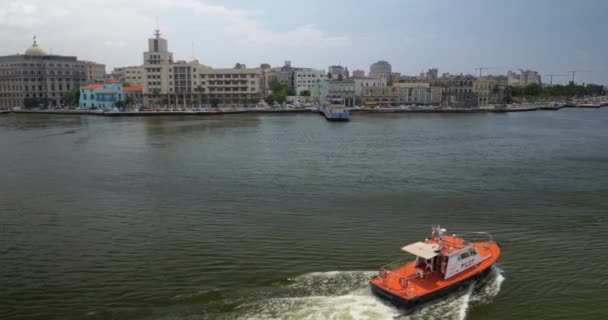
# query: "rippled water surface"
{"type": "Point", "coordinates": [288, 216]}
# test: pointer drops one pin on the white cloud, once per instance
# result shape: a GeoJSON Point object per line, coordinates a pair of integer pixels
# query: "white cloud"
{"type": "Point", "coordinates": [94, 30]}
{"type": "Point", "coordinates": [244, 27]}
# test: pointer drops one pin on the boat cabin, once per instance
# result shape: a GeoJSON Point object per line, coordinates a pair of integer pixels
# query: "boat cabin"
{"type": "Point", "coordinates": [447, 257]}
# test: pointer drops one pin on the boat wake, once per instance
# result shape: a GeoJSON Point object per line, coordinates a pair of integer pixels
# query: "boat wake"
{"type": "Point", "coordinates": [346, 295]}
{"type": "Point", "coordinates": [457, 306]}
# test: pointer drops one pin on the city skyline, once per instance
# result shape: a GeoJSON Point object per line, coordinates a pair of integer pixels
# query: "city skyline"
{"type": "Point", "coordinates": [412, 36]}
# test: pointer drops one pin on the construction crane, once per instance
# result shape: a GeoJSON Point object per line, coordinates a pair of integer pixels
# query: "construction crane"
{"type": "Point", "coordinates": [573, 72]}
{"type": "Point", "coordinates": [553, 75]}
{"type": "Point", "coordinates": [481, 69]}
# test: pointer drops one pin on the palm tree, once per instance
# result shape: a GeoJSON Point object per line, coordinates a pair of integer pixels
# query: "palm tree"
{"type": "Point", "coordinates": [199, 89]}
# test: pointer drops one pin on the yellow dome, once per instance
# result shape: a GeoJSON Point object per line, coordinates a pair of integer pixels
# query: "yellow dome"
{"type": "Point", "coordinates": [35, 50]}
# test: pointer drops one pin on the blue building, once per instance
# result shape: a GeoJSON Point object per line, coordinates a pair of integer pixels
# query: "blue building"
{"type": "Point", "coordinates": [101, 95]}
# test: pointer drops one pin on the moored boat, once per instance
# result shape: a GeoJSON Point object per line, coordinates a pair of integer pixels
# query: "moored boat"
{"type": "Point", "coordinates": [443, 264]}
{"type": "Point", "coordinates": [335, 110]}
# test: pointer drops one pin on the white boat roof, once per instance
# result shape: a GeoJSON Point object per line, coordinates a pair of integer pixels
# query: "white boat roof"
{"type": "Point", "coordinates": [423, 250]}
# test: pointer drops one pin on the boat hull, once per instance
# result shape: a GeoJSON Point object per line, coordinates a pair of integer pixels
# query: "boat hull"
{"type": "Point", "coordinates": [330, 115]}
{"type": "Point", "coordinates": [406, 304]}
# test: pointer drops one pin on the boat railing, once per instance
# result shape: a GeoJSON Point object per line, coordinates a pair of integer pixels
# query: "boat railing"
{"type": "Point", "coordinates": [476, 236]}
{"type": "Point", "coordinates": [390, 275]}
{"type": "Point", "coordinates": [394, 265]}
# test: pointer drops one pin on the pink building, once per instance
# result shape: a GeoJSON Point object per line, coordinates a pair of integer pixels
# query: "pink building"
{"type": "Point", "coordinates": [358, 73]}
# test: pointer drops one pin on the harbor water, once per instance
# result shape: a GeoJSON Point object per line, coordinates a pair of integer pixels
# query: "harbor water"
{"type": "Point", "coordinates": [288, 216]}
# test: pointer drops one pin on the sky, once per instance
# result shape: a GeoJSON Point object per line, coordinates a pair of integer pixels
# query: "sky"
{"type": "Point", "coordinates": [550, 36]}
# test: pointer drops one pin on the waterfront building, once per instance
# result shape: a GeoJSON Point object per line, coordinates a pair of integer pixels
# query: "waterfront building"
{"type": "Point", "coordinates": [483, 89]}
{"type": "Point", "coordinates": [457, 90]}
{"type": "Point", "coordinates": [132, 75]}
{"type": "Point", "coordinates": [36, 78]}
{"type": "Point", "coordinates": [101, 95]}
{"type": "Point", "coordinates": [305, 78]}
{"type": "Point", "coordinates": [500, 94]}
{"type": "Point", "coordinates": [361, 83]}
{"type": "Point", "coordinates": [188, 83]}
{"type": "Point", "coordinates": [135, 93]}
{"type": "Point", "coordinates": [358, 73]}
{"type": "Point", "coordinates": [337, 72]}
{"type": "Point", "coordinates": [229, 86]}
{"type": "Point", "coordinates": [402, 93]}
{"type": "Point", "coordinates": [105, 95]}
{"type": "Point", "coordinates": [323, 90]}
{"type": "Point", "coordinates": [318, 92]}
{"type": "Point", "coordinates": [380, 69]}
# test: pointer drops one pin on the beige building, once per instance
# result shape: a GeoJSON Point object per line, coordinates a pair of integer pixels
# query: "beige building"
{"type": "Point", "coordinates": [229, 85]}
{"type": "Point", "coordinates": [183, 83]}
{"type": "Point", "coordinates": [94, 71]}
{"type": "Point", "coordinates": [483, 89]}
{"type": "Point", "coordinates": [361, 83]}
{"type": "Point", "coordinates": [38, 79]}
{"type": "Point", "coordinates": [402, 93]}
{"type": "Point", "coordinates": [132, 75]}
{"type": "Point", "coordinates": [156, 69]}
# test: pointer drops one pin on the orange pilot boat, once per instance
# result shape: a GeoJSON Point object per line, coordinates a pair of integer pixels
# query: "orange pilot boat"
{"type": "Point", "coordinates": [443, 264]}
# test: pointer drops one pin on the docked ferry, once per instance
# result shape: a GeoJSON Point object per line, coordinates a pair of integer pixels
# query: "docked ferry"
{"type": "Point", "coordinates": [335, 110]}
{"type": "Point", "coordinates": [443, 264]}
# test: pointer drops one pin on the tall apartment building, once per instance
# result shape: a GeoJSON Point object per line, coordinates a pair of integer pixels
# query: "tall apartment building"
{"type": "Point", "coordinates": [187, 83]}
{"type": "Point", "coordinates": [190, 83]}
{"type": "Point", "coordinates": [37, 76]}
{"type": "Point", "coordinates": [94, 72]}
{"type": "Point", "coordinates": [156, 69]}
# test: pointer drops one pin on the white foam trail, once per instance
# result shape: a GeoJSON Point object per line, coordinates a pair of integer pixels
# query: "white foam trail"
{"type": "Point", "coordinates": [325, 295]}
{"type": "Point", "coordinates": [346, 295]}
{"type": "Point", "coordinates": [491, 289]}
{"type": "Point", "coordinates": [457, 306]}
{"type": "Point", "coordinates": [350, 306]}
{"type": "Point", "coordinates": [464, 307]}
